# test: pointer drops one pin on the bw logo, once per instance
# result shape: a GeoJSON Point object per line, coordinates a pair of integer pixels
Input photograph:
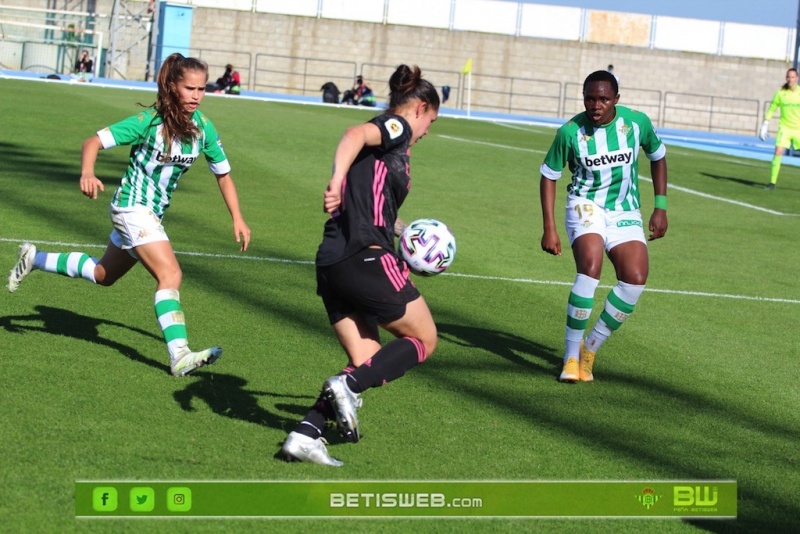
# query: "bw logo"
{"type": "Point", "coordinates": [694, 496]}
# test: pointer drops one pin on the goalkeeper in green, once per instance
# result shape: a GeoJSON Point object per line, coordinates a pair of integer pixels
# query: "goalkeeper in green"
{"type": "Point", "coordinates": [788, 100]}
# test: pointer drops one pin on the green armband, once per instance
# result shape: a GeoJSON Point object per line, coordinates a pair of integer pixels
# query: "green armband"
{"type": "Point", "coordinates": [661, 202]}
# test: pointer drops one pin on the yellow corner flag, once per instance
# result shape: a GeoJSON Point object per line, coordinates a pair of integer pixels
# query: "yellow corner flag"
{"type": "Point", "coordinates": [467, 67]}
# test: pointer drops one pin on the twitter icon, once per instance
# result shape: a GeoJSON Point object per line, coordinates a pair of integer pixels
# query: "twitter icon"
{"type": "Point", "coordinates": [142, 499]}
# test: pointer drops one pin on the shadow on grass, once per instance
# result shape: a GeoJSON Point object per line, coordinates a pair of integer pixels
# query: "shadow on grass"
{"type": "Point", "coordinates": [228, 396]}
{"type": "Point", "coordinates": [750, 183]}
{"type": "Point", "coordinates": [760, 184]}
{"type": "Point", "coordinates": [49, 169]}
{"type": "Point", "coordinates": [651, 437]}
{"type": "Point", "coordinates": [48, 172]}
{"type": "Point", "coordinates": [56, 166]}
{"type": "Point", "coordinates": [66, 323]}
{"type": "Point", "coordinates": [508, 346]}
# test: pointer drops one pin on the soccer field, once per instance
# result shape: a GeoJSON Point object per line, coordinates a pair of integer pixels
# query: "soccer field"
{"type": "Point", "coordinates": [699, 384]}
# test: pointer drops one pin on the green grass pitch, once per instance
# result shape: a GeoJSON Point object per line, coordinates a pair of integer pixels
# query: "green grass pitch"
{"type": "Point", "coordinates": [700, 382]}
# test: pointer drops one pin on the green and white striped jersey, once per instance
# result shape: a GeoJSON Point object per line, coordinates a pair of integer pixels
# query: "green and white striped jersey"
{"type": "Point", "coordinates": [152, 176]}
{"type": "Point", "coordinates": [604, 160]}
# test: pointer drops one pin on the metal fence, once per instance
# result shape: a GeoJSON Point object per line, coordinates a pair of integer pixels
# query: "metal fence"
{"type": "Point", "coordinates": [501, 94]}
{"type": "Point", "coordinates": [509, 94]}
{"type": "Point", "coordinates": [299, 75]}
{"type": "Point", "coordinates": [712, 113]}
{"type": "Point", "coordinates": [648, 101]}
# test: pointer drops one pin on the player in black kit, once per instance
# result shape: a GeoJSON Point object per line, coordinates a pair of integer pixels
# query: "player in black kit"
{"type": "Point", "coordinates": [361, 278]}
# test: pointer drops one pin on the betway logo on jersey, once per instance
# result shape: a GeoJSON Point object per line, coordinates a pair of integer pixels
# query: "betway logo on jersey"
{"type": "Point", "coordinates": [610, 159]}
{"type": "Point", "coordinates": [183, 159]}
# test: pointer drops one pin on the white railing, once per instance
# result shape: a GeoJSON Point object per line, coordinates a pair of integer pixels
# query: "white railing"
{"type": "Point", "coordinates": [542, 21]}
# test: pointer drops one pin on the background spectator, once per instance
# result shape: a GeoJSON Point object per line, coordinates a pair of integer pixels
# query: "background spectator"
{"type": "Point", "coordinates": [83, 68]}
{"type": "Point", "coordinates": [361, 93]}
{"type": "Point", "coordinates": [229, 83]}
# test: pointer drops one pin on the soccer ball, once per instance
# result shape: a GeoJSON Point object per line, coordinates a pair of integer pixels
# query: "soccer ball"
{"type": "Point", "coordinates": [428, 247]}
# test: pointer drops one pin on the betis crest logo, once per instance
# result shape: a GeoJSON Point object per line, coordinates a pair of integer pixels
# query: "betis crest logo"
{"type": "Point", "coordinates": [648, 498]}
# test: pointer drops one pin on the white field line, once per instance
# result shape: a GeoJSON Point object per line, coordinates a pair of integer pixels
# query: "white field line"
{"type": "Point", "coordinates": [665, 291]}
{"type": "Point", "coordinates": [495, 145]}
{"type": "Point", "coordinates": [670, 186]}
{"type": "Point", "coordinates": [708, 156]}
{"type": "Point", "coordinates": [81, 246]}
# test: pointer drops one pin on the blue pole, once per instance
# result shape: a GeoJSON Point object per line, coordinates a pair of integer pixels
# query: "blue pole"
{"type": "Point", "coordinates": [796, 36]}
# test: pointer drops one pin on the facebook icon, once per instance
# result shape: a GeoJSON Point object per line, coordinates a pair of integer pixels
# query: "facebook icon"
{"type": "Point", "coordinates": [104, 499]}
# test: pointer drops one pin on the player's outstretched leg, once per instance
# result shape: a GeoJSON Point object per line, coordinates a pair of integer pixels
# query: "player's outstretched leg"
{"type": "Point", "coordinates": [173, 325]}
{"type": "Point", "coordinates": [302, 448]}
{"type": "Point", "coordinates": [23, 267]}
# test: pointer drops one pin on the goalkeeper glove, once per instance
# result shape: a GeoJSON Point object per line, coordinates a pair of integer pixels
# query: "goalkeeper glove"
{"type": "Point", "coordinates": [762, 134]}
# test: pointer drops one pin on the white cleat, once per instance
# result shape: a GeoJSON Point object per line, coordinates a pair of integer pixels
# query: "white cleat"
{"type": "Point", "coordinates": [344, 403]}
{"type": "Point", "coordinates": [189, 361]}
{"type": "Point", "coordinates": [23, 267]}
{"type": "Point", "coordinates": [300, 448]}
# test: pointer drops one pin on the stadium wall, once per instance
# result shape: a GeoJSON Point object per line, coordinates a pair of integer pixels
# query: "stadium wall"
{"type": "Point", "coordinates": [262, 44]}
{"type": "Point", "coordinates": [492, 54]}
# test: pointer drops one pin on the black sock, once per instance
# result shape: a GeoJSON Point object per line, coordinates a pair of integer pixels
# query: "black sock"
{"type": "Point", "coordinates": [389, 363]}
{"type": "Point", "coordinates": [313, 424]}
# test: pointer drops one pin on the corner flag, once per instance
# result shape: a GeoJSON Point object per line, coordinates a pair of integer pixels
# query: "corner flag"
{"type": "Point", "coordinates": [467, 71]}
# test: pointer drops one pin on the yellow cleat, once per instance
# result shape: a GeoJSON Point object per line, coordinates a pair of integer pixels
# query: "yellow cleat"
{"type": "Point", "coordinates": [586, 363]}
{"type": "Point", "coordinates": [570, 372]}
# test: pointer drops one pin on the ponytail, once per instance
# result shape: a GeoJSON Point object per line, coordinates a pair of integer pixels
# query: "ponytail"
{"type": "Point", "coordinates": [407, 84]}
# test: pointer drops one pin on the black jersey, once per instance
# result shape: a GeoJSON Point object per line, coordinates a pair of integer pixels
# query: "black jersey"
{"type": "Point", "coordinates": [373, 191]}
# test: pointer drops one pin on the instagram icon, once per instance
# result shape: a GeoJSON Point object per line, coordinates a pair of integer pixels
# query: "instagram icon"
{"type": "Point", "coordinates": [179, 499]}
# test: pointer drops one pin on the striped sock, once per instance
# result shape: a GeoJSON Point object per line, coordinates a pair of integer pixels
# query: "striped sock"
{"type": "Point", "coordinates": [171, 320]}
{"type": "Point", "coordinates": [579, 308]}
{"type": "Point", "coordinates": [72, 264]}
{"type": "Point", "coordinates": [619, 306]}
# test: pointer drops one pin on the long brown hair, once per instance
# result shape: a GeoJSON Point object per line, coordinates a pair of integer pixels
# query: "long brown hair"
{"type": "Point", "coordinates": [175, 122]}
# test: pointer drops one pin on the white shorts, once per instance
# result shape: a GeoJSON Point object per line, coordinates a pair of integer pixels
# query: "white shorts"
{"type": "Point", "coordinates": [134, 227]}
{"type": "Point", "coordinates": [615, 227]}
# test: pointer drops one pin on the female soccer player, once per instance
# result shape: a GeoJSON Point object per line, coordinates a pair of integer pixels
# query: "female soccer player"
{"type": "Point", "coordinates": [166, 139]}
{"type": "Point", "coordinates": [362, 280]}
{"type": "Point", "coordinates": [788, 100]}
{"type": "Point", "coordinates": [601, 146]}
